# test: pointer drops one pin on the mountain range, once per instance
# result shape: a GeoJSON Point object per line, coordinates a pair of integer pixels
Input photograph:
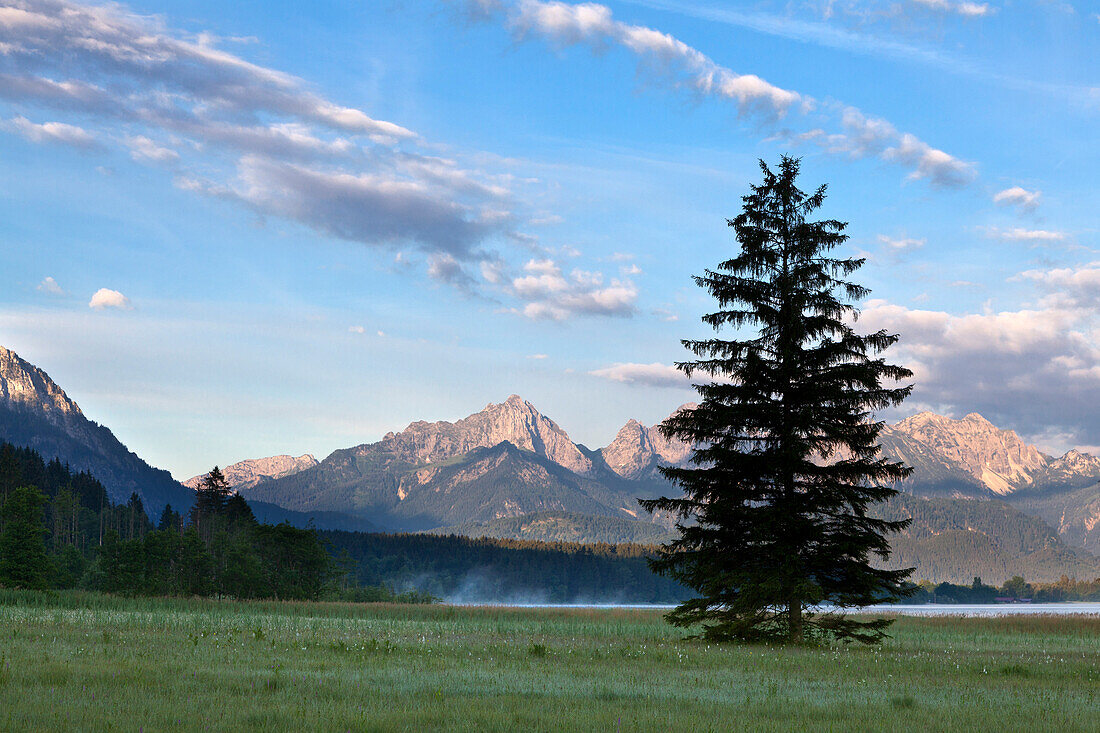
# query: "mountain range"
{"type": "Point", "coordinates": [980, 496]}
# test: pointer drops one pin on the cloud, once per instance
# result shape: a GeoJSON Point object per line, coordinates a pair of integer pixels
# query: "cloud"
{"type": "Point", "coordinates": [51, 132]}
{"type": "Point", "coordinates": [1068, 288]}
{"type": "Point", "coordinates": [665, 60]}
{"type": "Point", "coordinates": [1021, 198]}
{"type": "Point", "coordinates": [260, 136]}
{"type": "Point", "coordinates": [663, 57]}
{"type": "Point", "coordinates": [50, 287]}
{"type": "Point", "coordinates": [865, 137]}
{"type": "Point", "coordinates": [965, 9]}
{"type": "Point", "coordinates": [550, 294]}
{"type": "Point", "coordinates": [142, 149]}
{"type": "Point", "coordinates": [902, 244]}
{"type": "Point", "coordinates": [1028, 370]}
{"type": "Point", "coordinates": [648, 375]}
{"type": "Point", "coordinates": [537, 356]}
{"type": "Point", "coordinates": [1026, 235]}
{"type": "Point", "coordinates": [356, 329]}
{"type": "Point", "coordinates": [445, 268]}
{"type": "Point", "coordinates": [152, 70]}
{"type": "Point", "coordinates": [105, 298]}
{"type": "Point", "coordinates": [665, 315]}
{"type": "Point", "coordinates": [364, 207]}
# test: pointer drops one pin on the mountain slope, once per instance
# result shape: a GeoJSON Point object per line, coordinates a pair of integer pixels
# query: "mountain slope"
{"type": "Point", "coordinates": [36, 413]}
{"type": "Point", "coordinates": [244, 474]}
{"type": "Point", "coordinates": [994, 458]}
{"type": "Point", "coordinates": [428, 474]}
{"type": "Point", "coordinates": [954, 540]}
{"type": "Point", "coordinates": [563, 527]}
{"type": "Point", "coordinates": [374, 482]}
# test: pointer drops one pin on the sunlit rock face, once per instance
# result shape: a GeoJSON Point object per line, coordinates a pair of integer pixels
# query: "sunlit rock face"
{"type": "Point", "coordinates": [637, 450]}
{"type": "Point", "coordinates": [22, 383]}
{"type": "Point", "coordinates": [248, 473]}
{"type": "Point", "coordinates": [997, 458]}
{"type": "Point", "coordinates": [515, 421]}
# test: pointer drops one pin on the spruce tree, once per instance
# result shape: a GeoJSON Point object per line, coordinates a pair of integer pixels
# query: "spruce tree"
{"type": "Point", "coordinates": [774, 513]}
{"type": "Point", "coordinates": [23, 559]}
{"type": "Point", "coordinates": [210, 499]}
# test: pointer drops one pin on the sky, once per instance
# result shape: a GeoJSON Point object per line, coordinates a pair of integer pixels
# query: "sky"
{"type": "Point", "coordinates": [231, 230]}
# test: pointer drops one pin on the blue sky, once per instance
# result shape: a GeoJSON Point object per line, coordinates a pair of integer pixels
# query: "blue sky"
{"type": "Point", "coordinates": [234, 230]}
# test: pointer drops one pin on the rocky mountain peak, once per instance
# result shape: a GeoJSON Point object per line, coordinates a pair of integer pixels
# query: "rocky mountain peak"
{"type": "Point", "coordinates": [638, 449]}
{"type": "Point", "coordinates": [23, 384]}
{"type": "Point", "coordinates": [997, 458]}
{"type": "Point", "coordinates": [515, 420]}
{"type": "Point", "coordinates": [248, 473]}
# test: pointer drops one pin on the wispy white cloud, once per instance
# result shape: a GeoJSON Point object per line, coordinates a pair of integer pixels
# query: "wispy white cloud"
{"type": "Point", "coordinates": [664, 59]}
{"type": "Point", "coordinates": [551, 294]}
{"type": "Point", "coordinates": [965, 9]}
{"type": "Point", "coordinates": [900, 244]}
{"type": "Point", "coordinates": [1019, 234]}
{"type": "Point", "coordinates": [1018, 197]}
{"type": "Point", "coordinates": [51, 132]}
{"type": "Point", "coordinates": [143, 149]}
{"type": "Point", "coordinates": [106, 298]}
{"type": "Point", "coordinates": [260, 136]}
{"type": "Point", "coordinates": [648, 375]}
{"type": "Point", "coordinates": [50, 287]}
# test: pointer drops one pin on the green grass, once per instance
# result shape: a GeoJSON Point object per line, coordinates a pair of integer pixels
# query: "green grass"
{"type": "Point", "coordinates": [91, 662]}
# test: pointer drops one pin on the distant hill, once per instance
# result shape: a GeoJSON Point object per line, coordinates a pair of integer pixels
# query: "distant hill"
{"type": "Point", "coordinates": [36, 413]}
{"type": "Point", "coordinates": [954, 540]}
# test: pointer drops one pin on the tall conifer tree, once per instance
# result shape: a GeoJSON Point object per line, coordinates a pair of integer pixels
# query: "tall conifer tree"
{"type": "Point", "coordinates": [774, 509]}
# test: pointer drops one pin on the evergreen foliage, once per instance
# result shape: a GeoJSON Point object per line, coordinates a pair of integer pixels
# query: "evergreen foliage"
{"type": "Point", "coordinates": [786, 463]}
{"type": "Point", "coordinates": [59, 529]}
{"type": "Point", "coordinates": [23, 559]}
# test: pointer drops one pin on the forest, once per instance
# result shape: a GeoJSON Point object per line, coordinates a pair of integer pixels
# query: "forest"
{"type": "Point", "coordinates": [59, 529]}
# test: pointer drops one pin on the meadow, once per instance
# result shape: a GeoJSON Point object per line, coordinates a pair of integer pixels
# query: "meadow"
{"type": "Point", "coordinates": [75, 660]}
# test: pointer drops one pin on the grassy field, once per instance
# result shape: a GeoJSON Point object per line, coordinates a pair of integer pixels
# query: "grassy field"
{"type": "Point", "coordinates": [89, 662]}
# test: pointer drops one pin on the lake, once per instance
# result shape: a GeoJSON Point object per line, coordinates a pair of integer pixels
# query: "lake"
{"type": "Point", "coordinates": [959, 609]}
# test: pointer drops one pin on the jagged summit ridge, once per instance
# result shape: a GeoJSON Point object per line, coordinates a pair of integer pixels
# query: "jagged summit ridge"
{"type": "Point", "coordinates": [23, 384]}
{"type": "Point", "coordinates": [515, 420]}
{"type": "Point", "coordinates": [637, 450]}
{"type": "Point", "coordinates": [248, 473]}
{"type": "Point", "coordinates": [997, 458]}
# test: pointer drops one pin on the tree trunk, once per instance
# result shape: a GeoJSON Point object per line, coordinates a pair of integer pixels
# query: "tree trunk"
{"type": "Point", "coordinates": [794, 620]}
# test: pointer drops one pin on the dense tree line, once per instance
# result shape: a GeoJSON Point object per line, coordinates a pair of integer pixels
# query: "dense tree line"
{"type": "Point", "coordinates": [1015, 589]}
{"type": "Point", "coordinates": [472, 570]}
{"type": "Point", "coordinates": [59, 529]}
